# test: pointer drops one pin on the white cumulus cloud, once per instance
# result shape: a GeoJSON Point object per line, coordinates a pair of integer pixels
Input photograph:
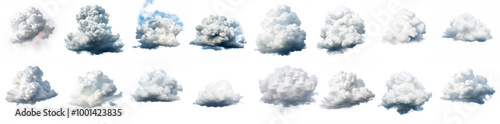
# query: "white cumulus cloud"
{"type": "Point", "coordinates": [217, 32]}
{"type": "Point", "coordinates": [28, 25]}
{"type": "Point", "coordinates": [157, 32]}
{"type": "Point", "coordinates": [288, 86]}
{"type": "Point", "coordinates": [405, 27]}
{"type": "Point", "coordinates": [346, 90]}
{"type": "Point", "coordinates": [405, 93]}
{"type": "Point", "coordinates": [343, 29]}
{"type": "Point", "coordinates": [466, 27]}
{"type": "Point", "coordinates": [94, 34]}
{"type": "Point", "coordinates": [94, 89]}
{"type": "Point", "coordinates": [282, 34]}
{"type": "Point", "coordinates": [467, 87]}
{"type": "Point", "coordinates": [29, 87]}
{"type": "Point", "coordinates": [157, 86]}
{"type": "Point", "coordinates": [218, 94]}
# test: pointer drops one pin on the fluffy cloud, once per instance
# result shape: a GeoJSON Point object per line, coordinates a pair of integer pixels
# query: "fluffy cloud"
{"type": "Point", "coordinates": [343, 30]}
{"type": "Point", "coordinates": [29, 87]}
{"type": "Point", "coordinates": [346, 90]}
{"type": "Point", "coordinates": [405, 28]}
{"type": "Point", "coordinates": [466, 27]}
{"type": "Point", "coordinates": [282, 33]}
{"type": "Point", "coordinates": [29, 24]}
{"type": "Point", "coordinates": [405, 92]}
{"type": "Point", "coordinates": [94, 89]}
{"type": "Point", "coordinates": [288, 86]}
{"type": "Point", "coordinates": [157, 86]}
{"type": "Point", "coordinates": [467, 87]}
{"type": "Point", "coordinates": [217, 32]}
{"type": "Point", "coordinates": [157, 32]}
{"type": "Point", "coordinates": [94, 34]}
{"type": "Point", "coordinates": [218, 94]}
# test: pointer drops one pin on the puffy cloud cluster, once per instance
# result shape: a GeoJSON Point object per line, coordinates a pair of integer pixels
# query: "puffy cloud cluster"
{"type": "Point", "coordinates": [218, 94]}
{"type": "Point", "coordinates": [288, 86]}
{"type": "Point", "coordinates": [94, 89]}
{"type": "Point", "coordinates": [282, 33]}
{"type": "Point", "coordinates": [157, 86]}
{"type": "Point", "coordinates": [467, 87]}
{"type": "Point", "coordinates": [146, 14]}
{"type": "Point", "coordinates": [346, 90]}
{"type": "Point", "coordinates": [405, 93]}
{"type": "Point", "coordinates": [343, 30]}
{"type": "Point", "coordinates": [94, 34]}
{"type": "Point", "coordinates": [157, 32]}
{"type": "Point", "coordinates": [29, 87]}
{"type": "Point", "coordinates": [405, 27]}
{"type": "Point", "coordinates": [466, 27]}
{"type": "Point", "coordinates": [217, 32]}
{"type": "Point", "coordinates": [28, 25]}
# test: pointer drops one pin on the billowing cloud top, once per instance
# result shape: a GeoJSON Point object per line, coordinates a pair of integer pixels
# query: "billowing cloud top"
{"type": "Point", "coordinates": [218, 94]}
{"type": "Point", "coordinates": [94, 34]}
{"type": "Point", "coordinates": [466, 27]}
{"type": "Point", "coordinates": [282, 33]}
{"type": "Point", "coordinates": [217, 32]}
{"type": "Point", "coordinates": [94, 89]}
{"type": "Point", "coordinates": [157, 86]}
{"type": "Point", "coordinates": [405, 27]}
{"type": "Point", "coordinates": [288, 86]}
{"type": "Point", "coordinates": [405, 92]}
{"type": "Point", "coordinates": [467, 87]}
{"type": "Point", "coordinates": [343, 29]}
{"type": "Point", "coordinates": [29, 24]}
{"type": "Point", "coordinates": [29, 87]}
{"type": "Point", "coordinates": [157, 32]}
{"type": "Point", "coordinates": [346, 90]}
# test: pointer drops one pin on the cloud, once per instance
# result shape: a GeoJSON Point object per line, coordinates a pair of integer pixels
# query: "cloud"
{"type": "Point", "coordinates": [346, 90]}
{"type": "Point", "coordinates": [466, 27]}
{"type": "Point", "coordinates": [218, 94]}
{"type": "Point", "coordinates": [28, 25]}
{"type": "Point", "coordinates": [467, 87]}
{"type": "Point", "coordinates": [94, 34]}
{"type": "Point", "coordinates": [405, 27]}
{"type": "Point", "coordinates": [343, 30]}
{"type": "Point", "coordinates": [94, 89]}
{"type": "Point", "coordinates": [288, 86]}
{"type": "Point", "coordinates": [282, 33]}
{"type": "Point", "coordinates": [405, 92]}
{"type": "Point", "coordinates": [157, 86]}
{"type": "Point", "coordinates": [29, 87]}
{"type": "Point", "coordinates": [147, 13]}
{"type": "Point", "coordinates": [217, 32]}
{"type": "Point", "coordinates": [157, 32]}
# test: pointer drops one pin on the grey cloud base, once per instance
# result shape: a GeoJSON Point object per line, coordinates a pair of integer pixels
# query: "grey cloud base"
{"type": "Point", "coordinates": [94, 89]}
{"type": "Point", "coordinates": [467, 87]}
{"type": "Point", "coordinates": [346, 90]}
{"type": "Point", "coordinates": [466, 27]}
{"type": "Point", "coordinates": [158, 32]}
{"type": "Point", "coordinates": [218, 94]}
{"type": "Point", "coordinates": [28, 25]}
{"type": "Point", "coordinates": [288, 86]}
{"type": "Point", "coordinates": [405, 27]}
{"type": "Point", "coordinates": [219, 32]}
{"type": "Point", "coordinates": [405, 93]}
{"type": "Point", "coordinates": [29, 87]}
{"type": "Point", "coordinates": [282, 34]}
{"type": "Point", "coordinates": [94, 34]}
{"type": "Point", "coordinates": [343, 30]}
{"type": "Point", "coordinates": [157, 86]}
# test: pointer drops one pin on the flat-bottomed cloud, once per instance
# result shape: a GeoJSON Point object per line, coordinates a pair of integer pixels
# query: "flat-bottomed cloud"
{"type": "Point", "coordinates": [218, 94]}
{"type": "Point", "coordinates": [405, 93]}
{"type": "Point", "coordinates": [288, 86]}
{"type": "Point", "coordinates": [218, 32]}
{"type": "Point", "coordinates": [466, 27]}
{"type": "Point", "coordinates": [346, 90]}
{"type": "Point", "coordinates": [157, 86]}
{"type": "Point", "coordinates": [157, 32]}
{"type": "Point", "coordinates": [29, 87]}
{"type": "Point", "coordinates": [343, 30]}
{"type": "Point", "coordinates": [405, 27]}
{"type": "Point", "coordinates": [94, 89]}
{"type": "Point", "coordinates": [467, 87]}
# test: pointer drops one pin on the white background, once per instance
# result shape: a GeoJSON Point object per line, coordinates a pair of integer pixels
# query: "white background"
{"type": "Point", "coordinates": [433, 61]}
